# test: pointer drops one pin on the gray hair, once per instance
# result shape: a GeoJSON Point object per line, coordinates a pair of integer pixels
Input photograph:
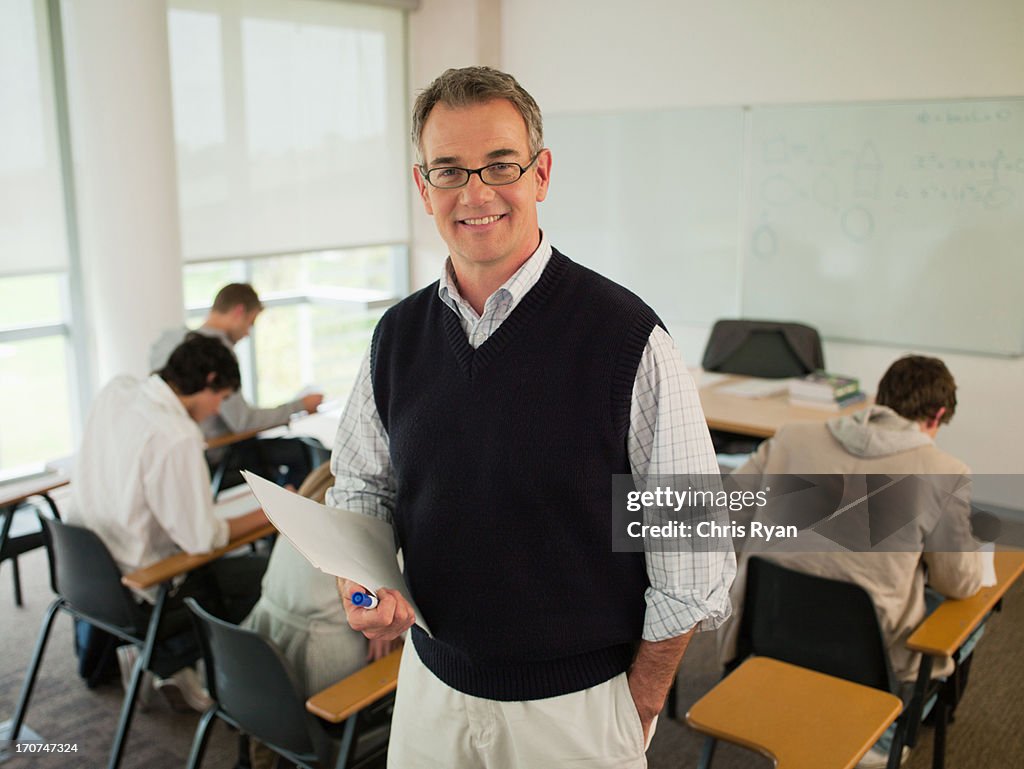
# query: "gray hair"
{"type": "Point", "coordinates": [476, 85]}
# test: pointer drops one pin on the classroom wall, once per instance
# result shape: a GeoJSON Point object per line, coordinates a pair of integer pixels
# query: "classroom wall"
{"type": "Point", "coordinates": [579, 55]}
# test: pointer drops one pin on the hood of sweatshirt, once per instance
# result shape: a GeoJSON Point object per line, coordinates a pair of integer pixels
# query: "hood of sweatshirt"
{"type": "Point", "coordinates": [877, 431]}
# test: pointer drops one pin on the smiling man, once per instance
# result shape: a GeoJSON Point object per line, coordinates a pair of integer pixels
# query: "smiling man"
{"type": "Point", "coordinates": [489, 417]}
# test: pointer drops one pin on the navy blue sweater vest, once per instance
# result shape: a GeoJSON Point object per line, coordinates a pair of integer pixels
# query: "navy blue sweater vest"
{"type": "Point", "coordinates": [503, 458]}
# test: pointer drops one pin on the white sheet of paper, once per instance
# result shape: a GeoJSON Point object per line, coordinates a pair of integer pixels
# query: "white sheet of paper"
{"type": "Point", "coordinates": [338, 542]}
{"type": "Point", "coordinates": [756, 388]}
{"type": "Point", "coordinates": [708, 378]}
{"type": "Point", "coordinates": [988, 565]}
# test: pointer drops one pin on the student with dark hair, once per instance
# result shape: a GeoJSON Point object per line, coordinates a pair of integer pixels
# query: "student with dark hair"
{"type": "Point", "coordinates": [141, 484]}
{"type": "Point", "coordinates": [234, 311]}
{"type": "Point", "coordinates": [197, 365]}
{"type": "Point", "coordinates": [920, 389]}
{"type": "Point", "coordinates": [931, 543]}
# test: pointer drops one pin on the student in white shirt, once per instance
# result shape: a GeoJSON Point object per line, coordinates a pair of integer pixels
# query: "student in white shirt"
{"type": "Point", "coordinates": [141, 483]}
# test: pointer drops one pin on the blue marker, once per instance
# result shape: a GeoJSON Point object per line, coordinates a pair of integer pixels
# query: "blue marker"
{"type": "Point", "coordinates": [364, 600]}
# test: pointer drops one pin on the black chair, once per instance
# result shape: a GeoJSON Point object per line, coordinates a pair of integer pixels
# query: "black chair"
{"type": "Point", "coordinates": [255, 691]}
{"type": "Point", "coordinates": [298, 455]}
{"type": "Point", "coordinates": [822, 624]}
{"type": "Point", "coordinates": [88, 587]}
{"type": "Point", "coordinates": [20, 532]}
{"type": "Point", "coordinates": [763, 348]}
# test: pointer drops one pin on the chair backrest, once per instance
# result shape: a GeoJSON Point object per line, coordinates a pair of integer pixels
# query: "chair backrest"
{"type": "Point", "coordinates": [317, 483]}
{"type": "Point", "coordinates": [253, 686]}
{"type": "Point", "coordinates": [817, 623]}
{"type": "Point", "coordinates": [763, 348]}
{"type": "Point", "coordinates": [86, 576]}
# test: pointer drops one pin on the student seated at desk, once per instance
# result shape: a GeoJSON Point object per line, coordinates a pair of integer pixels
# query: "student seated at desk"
{"type": "Point", "coordinates": [234, 311]}
{"type": "Point", "coordinates": [916, 396]}
{"type": "Point", "coordinates": [142, 486]}
{"type": "Point", "coordinates": [299, 611]}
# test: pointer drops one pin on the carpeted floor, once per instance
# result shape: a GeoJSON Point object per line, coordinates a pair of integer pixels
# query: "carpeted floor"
{"type": "Point", "coordinates": [987, 734]}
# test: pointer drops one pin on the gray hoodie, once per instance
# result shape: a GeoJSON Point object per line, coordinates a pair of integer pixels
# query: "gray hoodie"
{"type": "Point", "coordinates": [877, 431]}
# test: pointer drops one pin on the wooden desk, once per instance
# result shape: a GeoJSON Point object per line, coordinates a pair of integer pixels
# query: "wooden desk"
{"type": "Point", "coordinates": [181, 563]}
{"type": "Point", "coordinates": [945, 629]}
{"type": "Point", "coordinates": [800, 718]}
{"type": "Point", "coordinates": [13, 495]}
{"type": "Point", "coordinates": [757, 417]}
{"type": "Point", "coordinates": [226, 440]}
{"type": "Point", "coordinates": [362, 688]}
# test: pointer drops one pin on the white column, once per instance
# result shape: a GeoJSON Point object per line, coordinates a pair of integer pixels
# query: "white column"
{"type": "Point", "coordinates": [122, 141]}
{"type": "Point", "coordinates": [443, 34]}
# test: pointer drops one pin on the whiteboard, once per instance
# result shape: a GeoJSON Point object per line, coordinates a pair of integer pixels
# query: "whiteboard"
{"type": "Point", "coordinates": [890, 223]}
{"type": "Point", "coordinates": [897, 224]}
{"type": "Point", "coordinates": [651, 200]}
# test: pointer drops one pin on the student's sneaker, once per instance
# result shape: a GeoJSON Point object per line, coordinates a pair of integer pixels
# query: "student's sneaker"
{"type": "Point", "coordinates": [876, 759]}
{"type": "Point", "coordinates": [126, 658]}
{"type": "Point", "coordinates": [184, 691]}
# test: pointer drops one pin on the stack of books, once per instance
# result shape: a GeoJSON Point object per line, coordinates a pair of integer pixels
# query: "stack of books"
{"type": "Point", "coordinates": [822, 390]}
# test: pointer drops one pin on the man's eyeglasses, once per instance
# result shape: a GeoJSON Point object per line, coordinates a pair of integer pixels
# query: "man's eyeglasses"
{"type": "Point", "coordinates": [493, 175]}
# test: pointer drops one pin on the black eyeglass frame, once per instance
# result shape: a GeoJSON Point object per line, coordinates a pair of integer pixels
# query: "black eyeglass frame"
{"type": "Point", "coordinates": [426, 172]}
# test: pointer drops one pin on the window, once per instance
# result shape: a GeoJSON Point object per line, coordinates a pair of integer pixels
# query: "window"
{"type": "Point", "coordinates": [320, 310]}
{"type": "Point", "coordinates": [37, 369]}
{"type": "Point", "coordinates": [290, 130]}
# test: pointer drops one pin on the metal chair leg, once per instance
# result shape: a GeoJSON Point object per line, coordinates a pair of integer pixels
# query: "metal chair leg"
{"type": "Point", "coordinates": [195, 757]}
{"type": "Point", "coordinates": [896, 749]}
{"type": "Point", "coordinates": [707, 752]}
{"type": "Point", "coordinates": [348, 743]}
{"type": "Point", "coordinates": [218, 474]}
{"type": "Point", "coordinates": [16, 573]}
{"type": "Point", "coordinates": [917, 702]}
{"type": "Point", "coordinates": [141, 664]}
{"type": "Point", "coordinates": [33, 668]}
{"type": "Point", "coordinates": [939, 747]}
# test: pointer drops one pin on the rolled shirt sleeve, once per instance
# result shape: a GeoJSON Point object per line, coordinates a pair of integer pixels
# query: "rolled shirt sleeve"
{"type": "Point", "coordinates": [669, 436]}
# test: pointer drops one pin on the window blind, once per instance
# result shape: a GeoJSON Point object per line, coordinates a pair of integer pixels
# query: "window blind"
{"type": "Point", "coordinates": [290, 125]}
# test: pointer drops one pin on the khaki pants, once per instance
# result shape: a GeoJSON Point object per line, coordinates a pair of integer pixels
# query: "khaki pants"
{"type": "Point", "coordinates": [437, 727]}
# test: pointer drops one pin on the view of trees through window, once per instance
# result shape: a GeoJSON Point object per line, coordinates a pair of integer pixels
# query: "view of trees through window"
{"type": "Point", "coordinates": [321, 309]}
{"type": "Point", "coordinates": [35, 400]}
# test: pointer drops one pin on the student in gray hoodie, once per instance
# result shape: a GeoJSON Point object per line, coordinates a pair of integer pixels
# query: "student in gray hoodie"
{"type": "Point", "coordinates": [895, 436]}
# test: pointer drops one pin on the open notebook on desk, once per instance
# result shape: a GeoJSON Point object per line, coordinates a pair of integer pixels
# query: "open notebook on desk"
{"type": "Point", "coordinates": [338, 542]}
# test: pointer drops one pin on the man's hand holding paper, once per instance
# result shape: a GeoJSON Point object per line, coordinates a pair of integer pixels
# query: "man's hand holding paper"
{"type": "Point", "coordinates": [386, 621]}
{"type": "Point", "coordinates": [357, 548]}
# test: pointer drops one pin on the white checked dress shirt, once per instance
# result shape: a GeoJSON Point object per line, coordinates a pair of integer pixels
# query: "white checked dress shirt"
{"type": "Point", "coordinates": [667, 435]}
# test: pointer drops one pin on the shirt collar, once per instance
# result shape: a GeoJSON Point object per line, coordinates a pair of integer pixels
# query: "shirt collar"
{"type": "Point", "coordinates": [217, 334]}
{"type": "Point", "coordinates": [516, 287]}
{"type": "Point", "coordinates": [161, 394]}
